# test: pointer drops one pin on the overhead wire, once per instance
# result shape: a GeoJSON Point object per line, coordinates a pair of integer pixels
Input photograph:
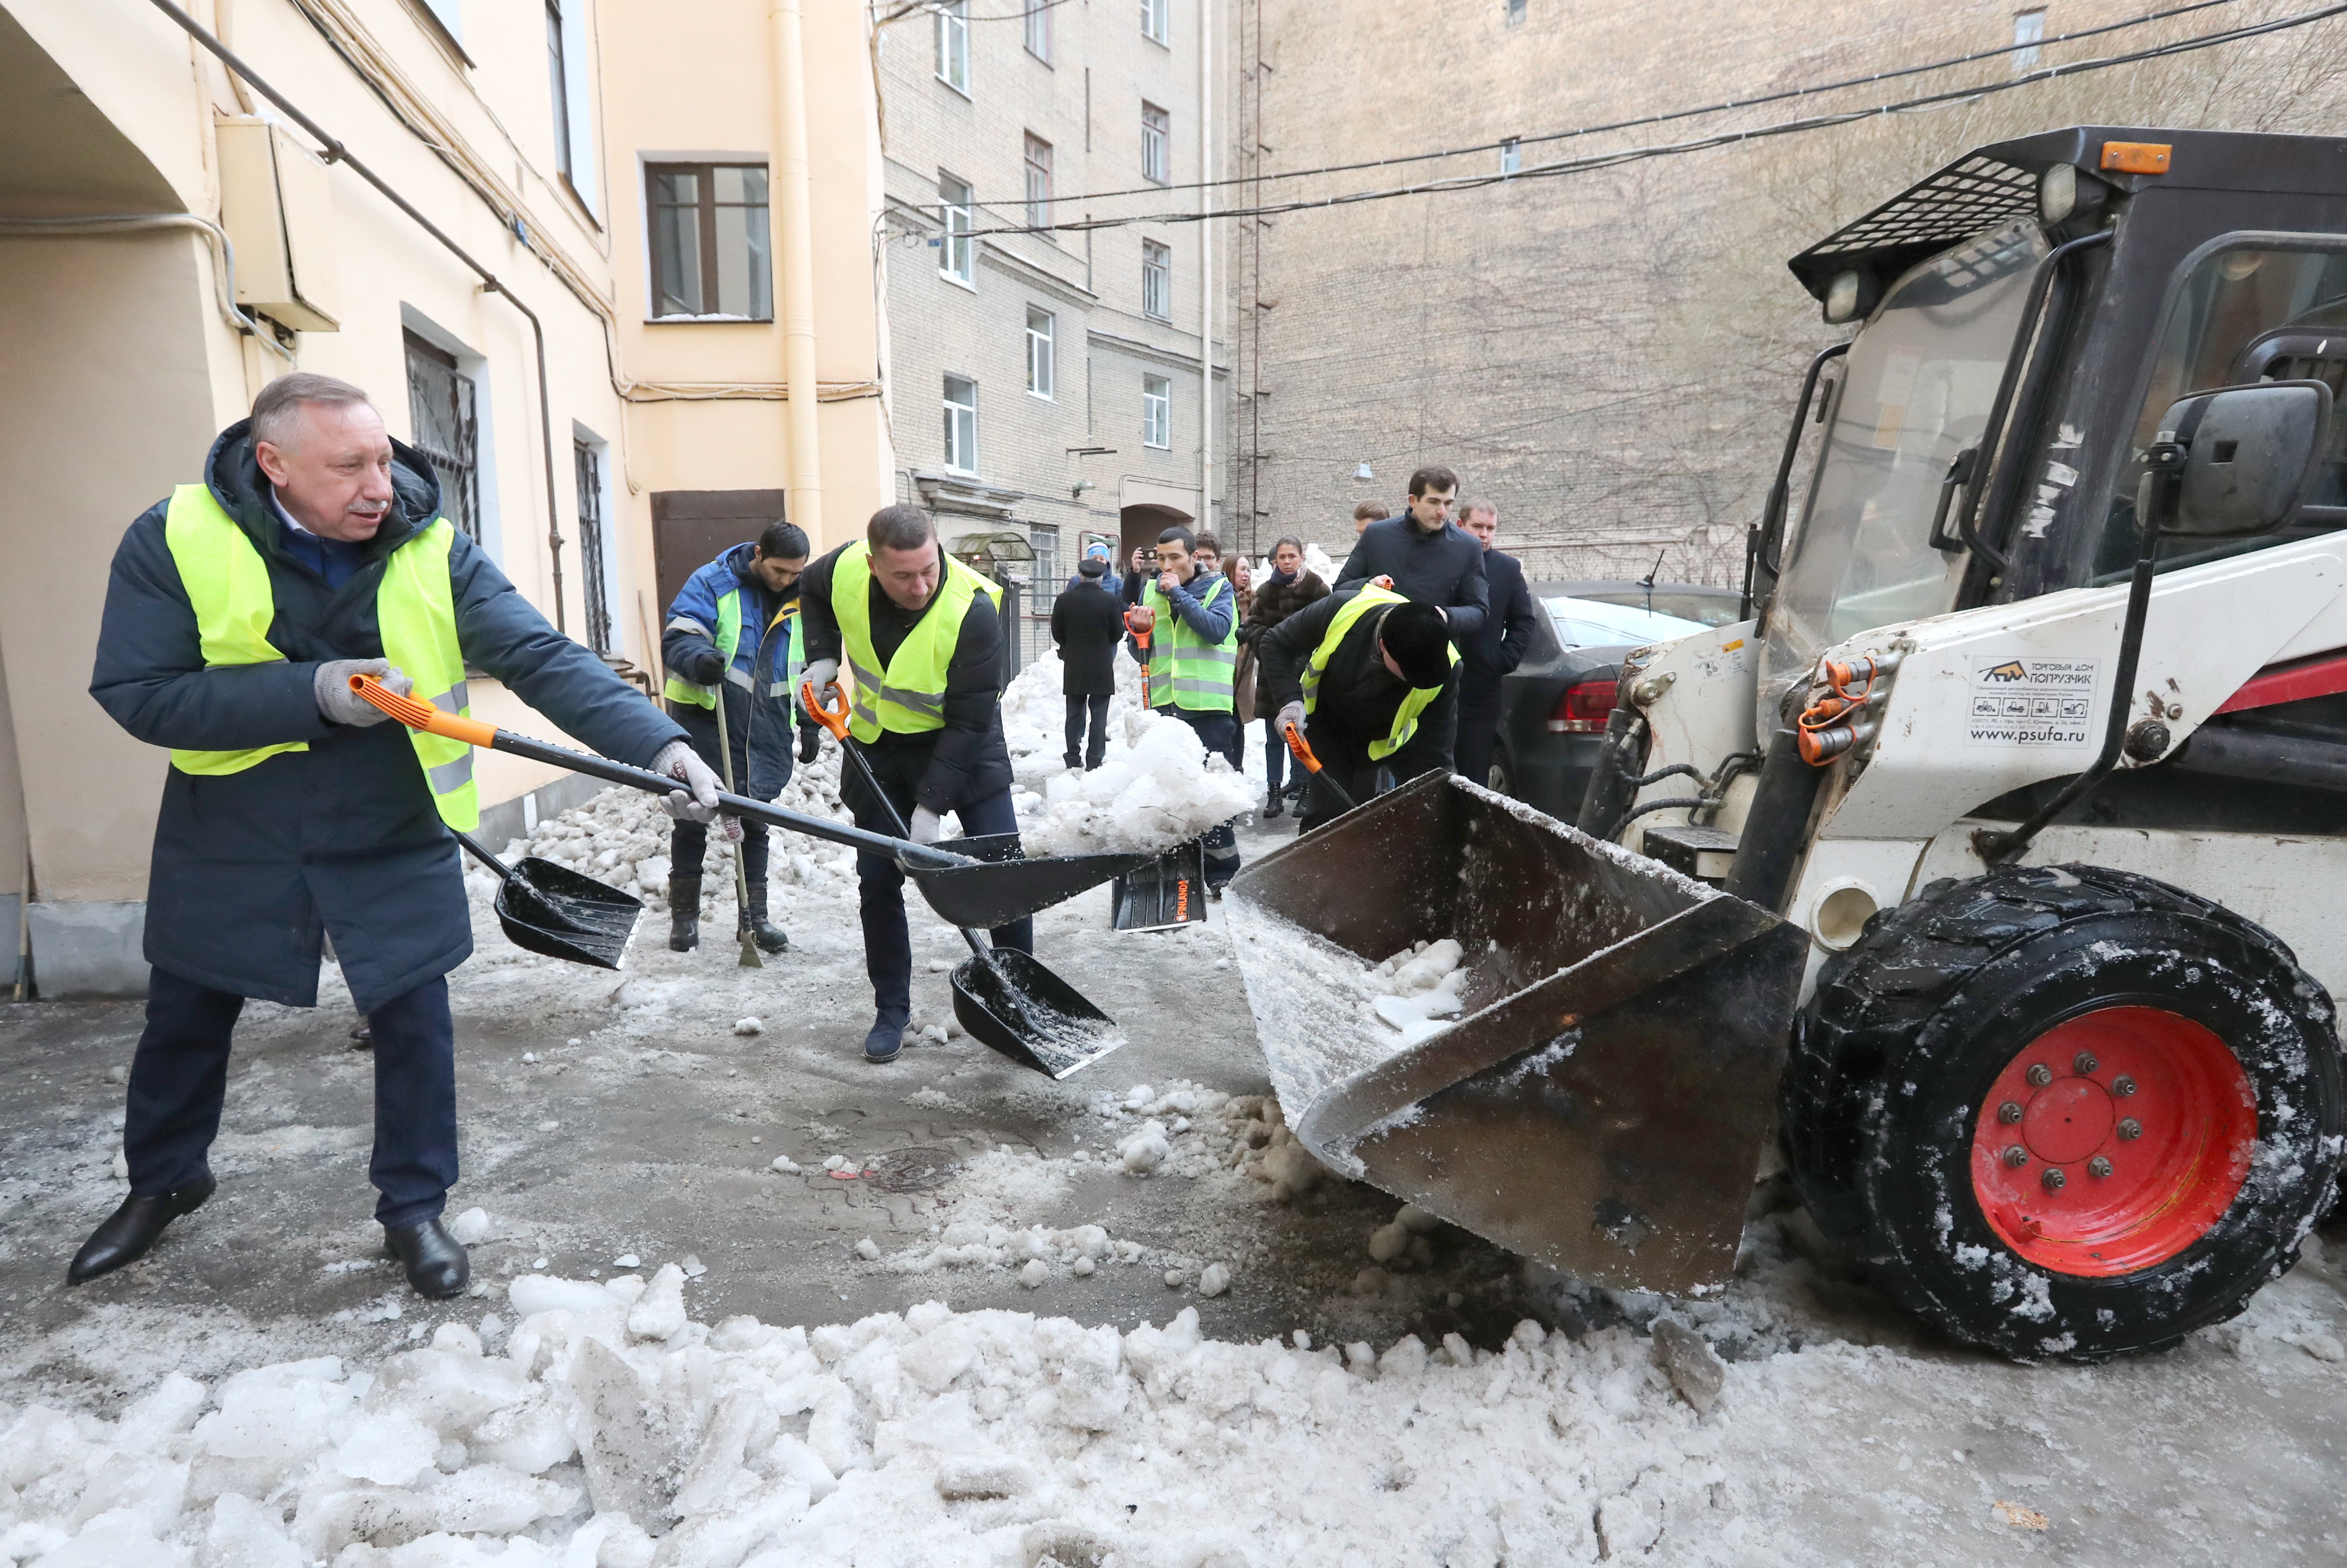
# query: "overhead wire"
{"type": "Point", "coordinates": [1671, 150]}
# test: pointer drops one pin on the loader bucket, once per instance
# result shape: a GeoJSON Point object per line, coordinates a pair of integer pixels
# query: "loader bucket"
{"type": "Point", "coordinates": [1601, 1102]}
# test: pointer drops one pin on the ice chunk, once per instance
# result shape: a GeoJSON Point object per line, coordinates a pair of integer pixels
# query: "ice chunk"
{"type": "Point", "coordinates": [1214, 1280]}
{"type": "Point", "coordinates": [1142, 1152]}
{"type": "Point", "coordinates": [785, 1164]}
{"type": "Point", "coordinates": [471, 1227]}
{"type": "Point", "coordinates": [533, 1293]}
{"type": "Point", "coordinates": [246, 1535]}
{"type": "Point", "coordinates": [748, 1026]}
{"type": "Point", "coordinates": [627, 1260]}
{"type": "Point", "coordinates": [391, 1450]}
{"type": "Point", "coordinates": [1034, 1273]}
{"type": "Point", "coordinates": [660, 1314]}
{"type": "Point", "coordinates": [164, 1411]}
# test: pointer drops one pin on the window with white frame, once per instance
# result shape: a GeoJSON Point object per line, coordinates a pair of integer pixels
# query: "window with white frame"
{"type": "Point", "coordinates": [1038, 161]}
{"type": "Point", "coordinates": [1153, 20]}
{"type": "Point", "coordinates": [1156, 144]}
{"type": "Point", "coordinates": [1040, 328]}
{"type": "Point", "coordinates": [961, 424]}
{"type": "Point", "coordinates": [957, 253]}
{"type": "Point", "coordinates": [1511, 155]}
{"type": "Point", "coordinates": [1516, 11]}
{"type": "Point", "coordinates": [1156, 280]}
{"type": "Point", "coordinates": [559, 73]}
{"type": "Point", "coordinates": [2028, 28]}
{"type": "Point", "coordinates": [1157, 411]}
{"type": "Point", "coordinates": [953, 44]}
{"type": "Point", "coordinates": [1036, 23]}
{"type": "Point", "coordinates": [710, 242]}
{"type": "Point", "coordinates": [1043, 539]}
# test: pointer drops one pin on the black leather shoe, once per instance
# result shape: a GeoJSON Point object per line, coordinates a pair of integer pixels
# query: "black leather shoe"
{"type": "Point", "coordinates": [437, 1264]}
{"type": "Point", "coordinates": [885, 1039]}
{"type": "Point", "coordinates": [1275, 805]}
{"type": "Point", "coordinates": [132, 1228]}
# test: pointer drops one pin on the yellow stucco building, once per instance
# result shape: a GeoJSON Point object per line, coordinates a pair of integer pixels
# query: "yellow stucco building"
{"type": "Point", "coordinates": [611, 263]}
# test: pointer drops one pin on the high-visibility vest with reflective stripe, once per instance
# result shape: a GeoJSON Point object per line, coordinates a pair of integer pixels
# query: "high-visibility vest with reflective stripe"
{"type": "Point", "coordinates": [1186, 671]}
{"type": "Point", "coordinates": [794, 651]}
{"type": "Point", "coordinates": [415, 611]}
{"type": "Point", "coordinates": [909, 697]}
{"type": "Point", "coordinates": [728, 638]}
{"type": "Point", "coordinates": [1415, 702]}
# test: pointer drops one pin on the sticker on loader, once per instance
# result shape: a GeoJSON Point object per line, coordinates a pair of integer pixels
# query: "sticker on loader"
{"type": "Point", "coordinates": [2027, 702]}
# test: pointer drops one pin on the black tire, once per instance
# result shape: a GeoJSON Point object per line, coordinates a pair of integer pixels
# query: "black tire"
{"type": "Point", "coordinates": [1936, 1005]}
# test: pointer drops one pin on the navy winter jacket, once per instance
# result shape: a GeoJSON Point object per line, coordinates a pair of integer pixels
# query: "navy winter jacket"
{"type": "Point", "coordinates": [249, 868]}
{"type": "Point", "coordinates": [757, 718]}
{"type": "Point", "coordinates": [1444, 569]}
{"type": "Point", "coordinates": [1506, 634]}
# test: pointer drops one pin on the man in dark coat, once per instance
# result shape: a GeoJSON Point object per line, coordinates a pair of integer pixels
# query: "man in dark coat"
{"type": "Point", "coordinates": [958, 764]}
{"type": "Point", "coordinates": [761, 581]}
{"type": "Point", "coordinates": [1494, 650]}
{"type": "Point", "coordinates": [1290, 587]}
{"type": "Point", "coordinates": [1086, 624]}
{"type": "Point", "coordinates": [292, 811]}
{"type": "Point", "coordinates": [1385, 697]}
{"type": "Point", "coordinates": [1425, 555]}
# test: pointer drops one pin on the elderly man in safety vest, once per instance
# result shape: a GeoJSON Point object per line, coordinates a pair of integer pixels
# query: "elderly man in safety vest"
{"type": "Point", "coordinates": [921, 637]}
{"type": "Point", "coordinates": [1193, 617]}
{"type": "Point", "coordinates": [237, 614]}
{"type": "Point", "coordinates": [1371, 680]}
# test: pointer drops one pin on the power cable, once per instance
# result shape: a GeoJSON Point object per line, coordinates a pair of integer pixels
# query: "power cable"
{"type": "Point", "coordinates": [1700, 143]}
{"type": "Point", "coordinates": [1663, 119]}
{"type": "Point", "coordinates": [936, 7]}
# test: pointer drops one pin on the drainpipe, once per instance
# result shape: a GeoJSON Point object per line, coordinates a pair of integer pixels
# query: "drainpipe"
{"type": "Point", "coordinates": [795, 252]}
{"type": "Point", "coordinates": [1206, 164]}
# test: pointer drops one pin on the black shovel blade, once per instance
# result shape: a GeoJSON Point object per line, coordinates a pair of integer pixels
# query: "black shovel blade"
{"type": "Point", "coordinates": [1006, 886]}
{"type": "Point", "coordinates": [553, 910]}
{"type": "Point", "coordinates": [1030, 1015]}
{"type": "Point", "coordinates": [1165, 895]}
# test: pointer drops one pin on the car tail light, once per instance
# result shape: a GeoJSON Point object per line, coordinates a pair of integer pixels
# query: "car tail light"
{"type": "Point", "coordinates": [1582, 708]}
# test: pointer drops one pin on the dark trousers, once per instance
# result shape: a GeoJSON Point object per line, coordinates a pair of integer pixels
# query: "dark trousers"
{"type": "Point", "coordinates": [1080, 709]}
{"type": "Point", "coordinates": [1346, 760]}
{"type": "Point", "coordinates": [1479, 733]}
{"type": "Point", "coordinates": [1219, 732]}
{"type": "Point", "coordinates": [180, 1076]}
{"type": "Point", "coordinates": [880, 899]}
{"type": "Point", "coordinates": [688, 844]}
{"type": "Point", "coordinates": [1275, 754]}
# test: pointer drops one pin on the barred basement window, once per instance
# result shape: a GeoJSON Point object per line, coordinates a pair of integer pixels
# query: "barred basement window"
{"type": "Point", "coordinates": [440, 411]}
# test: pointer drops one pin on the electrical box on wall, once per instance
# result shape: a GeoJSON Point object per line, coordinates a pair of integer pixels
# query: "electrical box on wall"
{"type": "Point", "coordinates": [278, 208]}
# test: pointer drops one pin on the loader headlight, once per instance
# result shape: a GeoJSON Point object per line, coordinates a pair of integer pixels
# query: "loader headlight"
{"type": "Point", "coordinates": [1842, 296]}
{"type": "Point", "coordinates": [2057, 192]}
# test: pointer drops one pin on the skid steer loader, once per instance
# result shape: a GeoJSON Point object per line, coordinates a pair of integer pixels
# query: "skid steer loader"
{"type": "Point", "coordinates": [1991, 868]}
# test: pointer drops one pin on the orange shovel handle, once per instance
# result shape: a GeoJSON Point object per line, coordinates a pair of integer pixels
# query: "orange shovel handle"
{"type": "Point", "coordinates": [832, 719]}
{"type": "Point", "coordinates": [423, 716]}
{"type": "Point", "coordinates": [1302, 748]}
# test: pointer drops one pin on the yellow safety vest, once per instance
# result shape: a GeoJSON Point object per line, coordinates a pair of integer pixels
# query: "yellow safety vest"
{"type": "Point", "coordinates": [1413, 703]}
{"type": "Point", "coordinates": [909, 697]}
{"type": "Point", "coordinates": [416, 610]}
{"type": "Point", "coordinates": [728, 639]}
{"type": "Point", "coordinates": [1192, 672]}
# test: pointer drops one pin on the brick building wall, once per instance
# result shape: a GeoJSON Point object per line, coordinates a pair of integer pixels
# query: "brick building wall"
{"type": "Point", "coordinates": [1612, 356]}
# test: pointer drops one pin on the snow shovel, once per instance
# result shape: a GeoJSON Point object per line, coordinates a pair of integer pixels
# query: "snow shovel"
{"type": "Point", "coordinates": [553, 910]}
{"type": "Point", "coordinates": [964, 891]}
{"type": "Point", "coordinates": [1311, 764]}
{"type": "Point", "coordinates": [1166, 895]}
{"type": "Point", "coordinates": [1601, 1102]}
{"type": "Point", "coordinates": [750, 958]}
{"type": "Point", "coordinates": [1006, 999]}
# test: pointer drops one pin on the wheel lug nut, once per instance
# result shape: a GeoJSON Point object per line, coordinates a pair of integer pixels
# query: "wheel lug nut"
{"type": "Point", "coordinates": [2122, 1085]}
{"type": "Point", "coordinates": [2039, 1074]}
{"type": "Point", "coordinates": [2098, 1166]}
{"type": "Point", "coordinates": [2084, 1064]}
{"type": "Point", "coordinates": [2130, 1128]}
{"type": "Point", "coordinates": [2009, 1112]}
{"type": "Point", "coordinates": [2015, 1155]}
{"type": "Point", "coordinates": [2052, 1178]}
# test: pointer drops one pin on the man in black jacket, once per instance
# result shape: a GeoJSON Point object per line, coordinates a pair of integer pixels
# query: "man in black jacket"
{"type": "Point", "coordinates": [1372, 680]}
{"type": "Point", "coordinates": [1086, 623]}
{"type": "Point", "coordinates": [1494, 650]}
{"type": "Point", "coordinates": [921, 636]}
{"type": "Point", "coordinates": [1426, 556]}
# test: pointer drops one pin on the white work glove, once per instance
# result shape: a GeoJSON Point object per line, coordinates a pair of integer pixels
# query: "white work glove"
{"type": "Point", "coordinates": [927, 825]}
{"type": "Point", "coordinates": [678, 761]}
{"type": "Point", "coordinates": [341, 705]}
{"type": "Point", "coordinates": [1289, 713]}
{"type": "Point", "coordinates": [821, 676]}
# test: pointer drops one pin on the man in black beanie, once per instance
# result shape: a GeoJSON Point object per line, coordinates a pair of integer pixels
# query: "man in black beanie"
{"type": "Point", "coordinates": [1371, 680]}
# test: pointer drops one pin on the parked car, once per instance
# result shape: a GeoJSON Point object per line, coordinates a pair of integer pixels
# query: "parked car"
{"type": "Point", "coordinates": [1553, 707]}
{"type": "Point", "coordinates": [1687, 600]}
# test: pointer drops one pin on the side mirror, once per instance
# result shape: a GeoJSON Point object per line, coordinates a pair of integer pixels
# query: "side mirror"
{"type": "Point", "coordinates": [2236, 462]}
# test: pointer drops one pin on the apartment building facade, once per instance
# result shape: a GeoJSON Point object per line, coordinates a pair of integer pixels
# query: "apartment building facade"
{"type": "Point", "coordinates": [1046, 388]}
{"type": "Point", "coordinates": [571, 291]}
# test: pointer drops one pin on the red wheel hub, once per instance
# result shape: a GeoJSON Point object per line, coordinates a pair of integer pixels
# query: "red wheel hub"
{"type": "Point", "coordinates": [2114, 1141]}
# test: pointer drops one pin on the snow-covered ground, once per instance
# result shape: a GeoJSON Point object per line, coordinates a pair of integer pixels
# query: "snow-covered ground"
{"type": "Point", "coordinates": [1125, 1319]}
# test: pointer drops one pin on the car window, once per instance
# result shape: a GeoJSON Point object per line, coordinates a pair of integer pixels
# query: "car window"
{"type": "Point", "coordinates": [1594, 623]}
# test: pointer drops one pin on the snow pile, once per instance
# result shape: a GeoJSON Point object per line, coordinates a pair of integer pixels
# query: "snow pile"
{"type": "Point", "coordinates": [1417, 985]}
{"type": "Point", "coordinates": [609, 1429]}
{"type": "Point", "coordinates": [1189, 1131]}
{"type": "Point", "coordinates": [1155, 787]}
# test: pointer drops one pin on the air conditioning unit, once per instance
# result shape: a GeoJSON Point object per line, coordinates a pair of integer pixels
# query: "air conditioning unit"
{"type": "Point", "coordinates": [277, 205]}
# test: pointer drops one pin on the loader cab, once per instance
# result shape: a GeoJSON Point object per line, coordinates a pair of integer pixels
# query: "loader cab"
{"type": "Point", "coordinates": [2029, 312]}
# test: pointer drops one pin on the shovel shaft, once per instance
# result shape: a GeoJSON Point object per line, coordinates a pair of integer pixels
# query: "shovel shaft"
{"type": "Point", "coordinates": [1303, 749]}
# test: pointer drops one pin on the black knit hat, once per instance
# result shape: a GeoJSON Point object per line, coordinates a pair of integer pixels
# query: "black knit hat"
{"type": "Point", "coordinates": [1419, 641]}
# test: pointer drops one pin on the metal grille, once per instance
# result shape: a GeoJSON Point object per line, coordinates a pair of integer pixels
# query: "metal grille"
{"type": "Point", "coordinates": [1959, 200]}
{"type": "Point", "coordinates": [589, 465]}
{"type": "Point", "coordinates": [440, 410]}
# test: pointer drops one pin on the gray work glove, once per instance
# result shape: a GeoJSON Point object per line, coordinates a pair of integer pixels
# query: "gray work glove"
{"type": "Point", "coordinates": [927, 825]}
{"type": "Point", "coordinates": [1289, 713]}
{"type": "Point", "coordinates": [341, 705]}
{"type": "Point", "coordinates": [697, 802]}
{"type": "Point", "coordinates": [822, 676]}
